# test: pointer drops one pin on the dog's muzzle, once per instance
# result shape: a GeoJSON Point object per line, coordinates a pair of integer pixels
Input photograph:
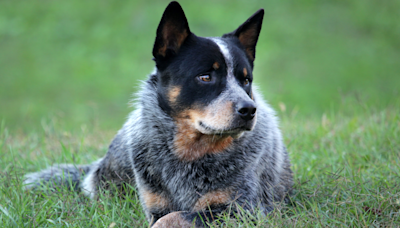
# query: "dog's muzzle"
{"type": "Point", "coordinates": [246, 110]}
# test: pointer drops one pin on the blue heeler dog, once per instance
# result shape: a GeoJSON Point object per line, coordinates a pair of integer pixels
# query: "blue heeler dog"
{"type": "Point", "coordinates": [201, 137]}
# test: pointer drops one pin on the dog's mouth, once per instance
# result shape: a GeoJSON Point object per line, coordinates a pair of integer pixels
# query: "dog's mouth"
{"type": "Point", "coordinates": [234, 131]}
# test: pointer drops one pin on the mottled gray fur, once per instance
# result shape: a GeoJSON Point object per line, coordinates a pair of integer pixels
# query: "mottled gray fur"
{"type": "Point", "coordinates": [254, 169]}
{"type": "Point", "coordinates": [257, 167]}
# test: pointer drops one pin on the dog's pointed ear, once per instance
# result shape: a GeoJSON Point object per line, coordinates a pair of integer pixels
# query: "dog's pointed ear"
{"type": "Point", "coordinates": [171, 32]}
{"type": "Point", "coordinates": [248, 33]}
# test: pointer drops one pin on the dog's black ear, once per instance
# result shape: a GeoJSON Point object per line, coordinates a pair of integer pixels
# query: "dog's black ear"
{"type": "Point", "coordinates": [171, 32]}
{"type": "Point", "coordinates": [248, 33]}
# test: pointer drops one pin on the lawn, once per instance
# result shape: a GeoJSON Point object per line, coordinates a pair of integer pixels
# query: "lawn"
{"type": "Point", "coordinates": [330, 68]}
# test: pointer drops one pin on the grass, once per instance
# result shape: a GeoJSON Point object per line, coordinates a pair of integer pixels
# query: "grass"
{"type": "Point", "coordinates": [79, 61]}
{"type": "Point", "coordinates": [330, 69]}
{"type": "Point", "coordinates": [346, 170]}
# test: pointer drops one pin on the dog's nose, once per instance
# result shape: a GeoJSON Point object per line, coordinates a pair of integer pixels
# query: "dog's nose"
{"type": "Point", "coordinates": [246, 110]}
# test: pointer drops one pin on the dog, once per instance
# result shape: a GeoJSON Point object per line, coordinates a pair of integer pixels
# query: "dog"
{"type": "Point", "coordinates": [201, 136]}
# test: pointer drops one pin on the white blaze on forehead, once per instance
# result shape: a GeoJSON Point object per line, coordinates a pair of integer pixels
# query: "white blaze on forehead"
{"type": "Point", "coordinates": [232, 83]}
{"type": "Point", "coordinates": [225, 52]}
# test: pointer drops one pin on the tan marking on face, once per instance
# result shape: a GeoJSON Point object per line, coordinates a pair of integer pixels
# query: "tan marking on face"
{"type": "Point", "coordinates": [212, 198]}
{"type": "Point", "coordinates": [245, 72]}
{"type": "Point", "coordinates": [174, 93]}
{"type": "Point", "coordinates": [172, 220]}
{"type": "Point", "coordinates": [153, 200]}
{"type": "Point", "coordinates": [190, 144]}
{"type": "Point", "coordinates": [218, 115]}
{"type": "Point", "coordinates": [216, 66]}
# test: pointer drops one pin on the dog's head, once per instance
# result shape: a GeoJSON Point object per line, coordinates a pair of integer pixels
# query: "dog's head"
{"type": "Point", "coordinates": [205, 84]}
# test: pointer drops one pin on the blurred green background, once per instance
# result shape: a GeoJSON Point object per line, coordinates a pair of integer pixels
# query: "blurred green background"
{"type": "Point", "coordinates": [78, 62]}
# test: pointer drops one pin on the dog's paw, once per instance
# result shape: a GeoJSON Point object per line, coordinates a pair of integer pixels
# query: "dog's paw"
{"type": "Point", "coordinates": [173, 220]}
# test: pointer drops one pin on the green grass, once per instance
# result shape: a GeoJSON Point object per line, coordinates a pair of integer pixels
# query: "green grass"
{"type": "Point", "coordinates": [80, 61]}
{"type": "Point", "coordinates": [330, 68]}
{"type": "Point", "coordinates": [346, 169]}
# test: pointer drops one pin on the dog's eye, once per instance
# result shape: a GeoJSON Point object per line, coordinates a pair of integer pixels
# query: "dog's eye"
{"type": "Point", "coordinates": [246, 81]}
{"type": "Point", "coordinates": [204, 78]}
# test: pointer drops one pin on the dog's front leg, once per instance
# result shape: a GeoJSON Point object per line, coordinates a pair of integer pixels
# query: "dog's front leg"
{"type": "Point", "coordinates": [186, 219]}
{"type": "Point", "coordinates": [174, 220]}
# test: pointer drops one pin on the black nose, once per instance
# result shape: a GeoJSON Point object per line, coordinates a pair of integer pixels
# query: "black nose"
{"type": "Point", "coordinates": [246, 110]}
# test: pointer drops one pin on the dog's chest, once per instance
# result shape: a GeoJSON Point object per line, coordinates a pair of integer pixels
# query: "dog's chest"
{"type": "Point", "coordinates": [191, 186]}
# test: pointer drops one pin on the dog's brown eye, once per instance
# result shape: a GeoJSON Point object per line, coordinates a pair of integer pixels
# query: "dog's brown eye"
{"type": "Point", "coordinates": [246, 81]}
{"type": "Point", "coordinates": [205, 78]}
